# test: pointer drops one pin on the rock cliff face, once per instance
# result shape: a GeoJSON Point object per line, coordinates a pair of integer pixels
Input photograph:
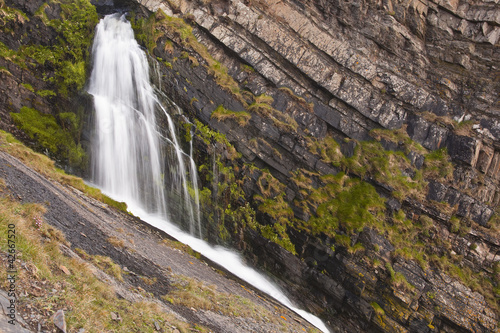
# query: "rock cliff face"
{"type": "Point", "coordinates": [361, 165]}
{"type": "Point", "coordinates": [426, 72]}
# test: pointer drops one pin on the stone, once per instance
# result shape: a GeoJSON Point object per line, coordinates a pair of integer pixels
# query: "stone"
{"type": "Point", "coordinates": [436, 137]}
{"type": "Point", "coordinates": [417, 128]}
{"type": "Point", "coordinates": [437, 191]}
{"type": "Point", "coordinates": [419, 324]}
{"type": "Point", "coordinates": [464, 205]}
{"type": "Point", "coordinates": [65, 270]}
{"type": "Point", "coordinates": [416, 159]}
{"type": "Point", "coordinates": [59, 320]}
{"type": "Point", "coordinates": [485, 158]}
{"type": "Point", "coordinates": [493, 170]}
{"type": "Point", "coordinates": [480, 213]}
{"type": "Point", "coordinates": [393, 204]}
{"type": "Point", "coordinates": [462, 148]}
{"type": "Point", "coordinates": [115, 316]}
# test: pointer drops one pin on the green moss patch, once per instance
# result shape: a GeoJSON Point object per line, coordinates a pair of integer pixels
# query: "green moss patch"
{"type": "Point", "coordinates": [221, 114]}
{"type": "Point", "coordinates": [48, 133]}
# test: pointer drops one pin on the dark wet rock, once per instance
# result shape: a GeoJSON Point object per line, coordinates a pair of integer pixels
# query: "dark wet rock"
{"type": "Point", "coordinates": [462, 148]}
{"type": "Point", "coordinates": [416, 159]}
{"type": "Point", "coordinates": [437, 191]}
{"type": "Point", "coordinates": [348, 148]}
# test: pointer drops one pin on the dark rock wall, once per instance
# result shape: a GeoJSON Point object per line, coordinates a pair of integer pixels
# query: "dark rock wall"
{"type": "Point", "coordinates": [427, 67]}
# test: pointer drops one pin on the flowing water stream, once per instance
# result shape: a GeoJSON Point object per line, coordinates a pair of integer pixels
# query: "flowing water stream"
{"type": "Point", "coordinates": [135, 161]}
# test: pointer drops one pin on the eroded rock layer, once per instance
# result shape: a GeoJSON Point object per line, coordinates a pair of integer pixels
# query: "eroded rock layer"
{"type": "Point", "coordinates": [359, 158]}
{"type": "Point", "coordinates": [344, 70]}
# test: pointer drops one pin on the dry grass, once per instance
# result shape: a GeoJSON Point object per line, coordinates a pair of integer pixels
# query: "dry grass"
{"type": "Point", "coordinates": [116, 242]}
{"type": "Point", "coordinates": [268, 185]}
{"type": "Point", "coordinates": [443, 120]}
{"type": "Point", "coordinates": [88, 302]}
{"type": "Point", "coordinates": [327, 148]}
{"type": "Point", "coordinates": [192, 293]}
{"type": "Point", "coordinates": [108, 265]}
{"type": "Point", "coordinates": [438, 166]}
{"type": "Point", "coordinates": [148, 281]}
{"type": "Point", "coordinates": [400, 137]}
{"type": "Point", "coordinates": [264, 99]}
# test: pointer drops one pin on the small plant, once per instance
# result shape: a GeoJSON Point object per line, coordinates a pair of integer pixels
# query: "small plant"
{"type": "Point", "coordinates": [45, 93]}
{"type": "Point", "coordinates": [454, 224]}
{"type": "Point", "coordinates": [28, 86]}
{"type": "Point", "coordinates": [438, 166]}
{"type": "Point", "coordinates": [120, 243]}
{"type": "Point", "coordinates": [38, 222]}
{"type": "Point", "coordinates": [426, 222]}
{"type": "Point", "coordinates": [247, 68]}
{"type": "Point", "coordinates": [378, 310]}
{"type": "Point", "coordinates": [221, 114]}
{"type": "Point", "coordinates": [149, 281]}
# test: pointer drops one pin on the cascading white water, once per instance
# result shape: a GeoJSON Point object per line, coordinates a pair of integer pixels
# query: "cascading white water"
{"type": "Point", "coordinates": [126, 159]}
{"type": "Point", "coordinates": [129, 153]}
{"type": "Point", "coordinates": [131, 157]}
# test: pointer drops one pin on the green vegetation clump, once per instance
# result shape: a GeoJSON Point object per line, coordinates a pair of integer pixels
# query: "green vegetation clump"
{"type": "Point", "coordinates": [398, 279]}
{"type": "Point", "coordinates": [273, 203]}
{"type": "Point", "coordinates": [349, 204]}
{"type": "Point", "coordinates": [262, 106]}
{"type": "Point", "coordinates": [400, 137]}
{"type": "Point", "coordinates": [68, 57]}
{"type": "Point", "coordinates": [70, 54]}
{"type": "Point", "coordinates": [378, 310]}
{"type": "Point", "coordinates": [8, 14]}
{"type": "Point", "coordinates": [208, 136]}
{"type": "Point", "coordinates": [11, 55]}
{"type": "Point", "coordinates": [438, 166]}
{"type": "Point", "coordinates": [46, 93]}
{"type": "Point", "coordinates": [298, 99]}
{"type": "Point", "coordinates": [327, 148]}
{"type": "Point", "coordinates": [222, 198]}
{"type": "Point", "coordinates": [28, 86]}
{"type": "Point", "coordinates": [62, 63]}
{"type": "Point", "coordinates": [221, 114]}
{"type": "Point", "coordinates": [247, 68]}
{"type": "Point", "coordinates": [46, 131]}
{"type": "Point", "coordinates": [371, 159]}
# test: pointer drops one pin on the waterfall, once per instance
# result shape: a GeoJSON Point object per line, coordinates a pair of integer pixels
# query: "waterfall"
{"type": "Point", "coordinates": [141, 163]}
{"type": "Point", "coordinates": [129, 151]}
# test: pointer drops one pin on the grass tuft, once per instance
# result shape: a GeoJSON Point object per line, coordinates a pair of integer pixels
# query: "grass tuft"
{"type": "Point", "coordinates": [221, 114]}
